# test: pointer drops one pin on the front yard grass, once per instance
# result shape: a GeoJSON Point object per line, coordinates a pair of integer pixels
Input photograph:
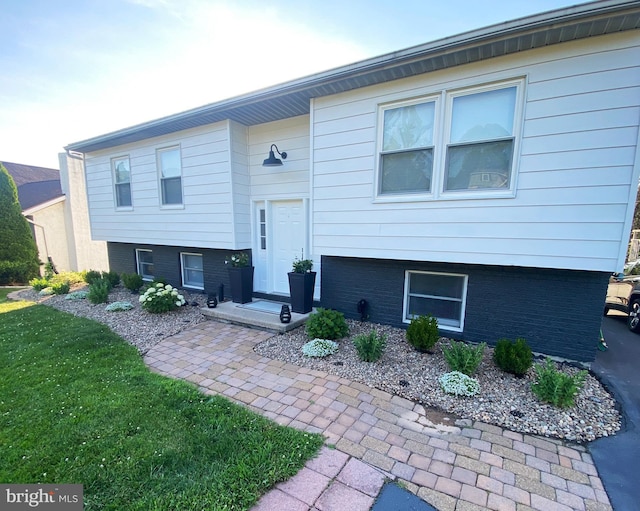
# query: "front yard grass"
{"type": "Point", "coordinates": [78, 405]}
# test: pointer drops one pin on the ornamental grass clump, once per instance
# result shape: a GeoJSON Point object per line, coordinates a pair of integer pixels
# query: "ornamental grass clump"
{"type": "Point", "coordinates": [320, 348]}
{"type": "Point", "coordinates": [326, 324]}
{"type": "Point", "coordinates": [161, 298]}
{"type": "Point", "coordinates": [459, 384]}
{"type": "Point", "coordinates": [555, 387]}
{"type": "Point", "coordinates": [370, 347]}
{"type": "Point", "coordinates": [462, 357]}
{"type": "Point", "coordinates": [422, 333]}
{"type": "Point", "coordinates": [513, 357]}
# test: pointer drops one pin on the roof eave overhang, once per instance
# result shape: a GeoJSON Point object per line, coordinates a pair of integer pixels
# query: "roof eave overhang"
{"type": "Point", "coordinates": [292, 98]}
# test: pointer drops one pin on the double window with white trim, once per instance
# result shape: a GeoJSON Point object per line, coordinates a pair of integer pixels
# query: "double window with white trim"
{"type": "Point", "coordinates": [455, 144]}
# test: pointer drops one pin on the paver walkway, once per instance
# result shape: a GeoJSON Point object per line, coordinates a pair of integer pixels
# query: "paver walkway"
{"type": "Point", "coordinates": [379, 436]}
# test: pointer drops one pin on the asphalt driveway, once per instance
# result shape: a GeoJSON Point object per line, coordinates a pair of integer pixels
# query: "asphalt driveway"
{"type": "Point", "coordinates": [618, 458]}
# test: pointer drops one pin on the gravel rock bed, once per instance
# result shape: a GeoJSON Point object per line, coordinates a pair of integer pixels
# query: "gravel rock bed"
{"type": "Point", "coordinates": [139, 327]}
{"type": "Point", "coordinates": [504, 399]}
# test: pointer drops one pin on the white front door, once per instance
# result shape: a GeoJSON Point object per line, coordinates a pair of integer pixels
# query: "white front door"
{"type": "Point", "coordinates": [289, 240]}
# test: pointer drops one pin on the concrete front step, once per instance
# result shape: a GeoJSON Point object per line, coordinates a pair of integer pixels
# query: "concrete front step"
{"type": "Point", "coordinates": [243, 314]}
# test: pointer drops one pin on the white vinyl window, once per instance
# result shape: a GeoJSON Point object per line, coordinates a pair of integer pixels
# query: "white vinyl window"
{"type": "Point", "coordinates": [122, 181]}
{"type": "Point", "coordinates": [192, 270]}
{"type": "Point", "coordinates": [170, 170]}
{"type": "Point", "coordinates": [144, 263]}
{"type": "Point", "coordinates": [481, 140]}
{"type": "Point", "coordinates": [406, 159]}
{"type": "Point", "coordinates": [462, 140]}
{"type": "Point", "coordinates": [443, 295]}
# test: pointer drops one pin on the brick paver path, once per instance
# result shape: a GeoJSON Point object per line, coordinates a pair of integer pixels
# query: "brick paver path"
{"type": "Point", "coordinates": [472, 467]}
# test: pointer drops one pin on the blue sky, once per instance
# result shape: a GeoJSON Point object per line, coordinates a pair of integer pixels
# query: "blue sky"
{"type": "Point", "coordinates": [74, 69]}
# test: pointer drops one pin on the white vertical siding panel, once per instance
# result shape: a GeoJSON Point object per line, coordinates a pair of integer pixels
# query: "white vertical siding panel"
{"type": "Point", "coordinates": [577, 166]}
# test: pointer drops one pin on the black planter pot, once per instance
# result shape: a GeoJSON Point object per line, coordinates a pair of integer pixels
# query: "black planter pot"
{"type": "Point", "coordinates": [241, 280]}
{"type": "Point", "coordinates": [301, 291]}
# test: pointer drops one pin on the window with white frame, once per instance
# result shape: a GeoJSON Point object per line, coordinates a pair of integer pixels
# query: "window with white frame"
{"type": "Point", "coordinates": [458, 141]}
{"type": "Point", "coordinates": [263, 228]}
{"type": "Point", "coordinates": [170, 170]}
{"type": "Point", "coordinates": [481, 140]}
{"type": "Point", "coordinates": [144, 263]}
{"type": "Point", "coordinates": [406, 159]}
{"type": "Point", "coordinates": [443, 295]}
{"type": "Point", "coordinates": [192, 270]}
{"type": "Point", "coordinates": [122, 181]}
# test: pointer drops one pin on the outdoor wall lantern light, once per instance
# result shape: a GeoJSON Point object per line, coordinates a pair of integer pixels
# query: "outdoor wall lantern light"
{"type": "Point", "coordinates": [272, 161]}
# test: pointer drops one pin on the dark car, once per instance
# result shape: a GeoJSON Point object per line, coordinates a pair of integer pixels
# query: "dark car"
{"type": "Point", "coordinates": [623, 294]}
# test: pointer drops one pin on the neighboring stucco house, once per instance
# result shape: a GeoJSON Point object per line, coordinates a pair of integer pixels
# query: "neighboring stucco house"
{"type": "Point", "coordinates": [487, 178]}
{"type": "Point", "coordinates": [56, 210]}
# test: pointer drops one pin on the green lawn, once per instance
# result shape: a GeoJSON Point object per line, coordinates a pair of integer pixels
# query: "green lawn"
{"type": "Point", "coordinates": [4, 291]}
{"type": "Point", "coordinates": [78, 405]}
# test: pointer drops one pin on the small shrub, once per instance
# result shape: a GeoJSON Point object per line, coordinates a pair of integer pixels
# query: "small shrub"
{"type": "Point", "coordinates": [38, 283]}
{"type": "Point", "coordinates": [326, 324]}
{"type": "Point", "coordinates": [459, 384]}
{"type": "Point", "coordinates": [161, 298]}
{"type": "Point", "coordinates": [422, 333]}
{"type": "Point", "coordinates": [320, 348]}
{"type": "Point", "coordinates": [77, 295]}
{"type": "Point", "coordinates": [513, 357]}
{"type": "Point", "coordinates": [112, 276]}
{"type": "Point", "coordinates": [132, 281]}
{"type": "Point", "coordinates": [91, 276]}
{"type": "Point", "coordinates": [555, 387]}
{"type": "Point", "coordinates": [61, 288]}
{"type": "Point", "coordinates": [47, 291]}
{"type": "Point", "coordinates": [119, 306]}
{"type": "Point", "coordinates": [99, 291]}
{"type": "Point", "coordinates": [462, 357]}
{"type": "Point", "coordinates": [49, 270]}
{"type": "Point", "coordinates": [370, 347]}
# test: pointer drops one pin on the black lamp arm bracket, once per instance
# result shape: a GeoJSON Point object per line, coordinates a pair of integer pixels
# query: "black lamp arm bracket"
{"type": "Point", "coordinates": [283, 153]}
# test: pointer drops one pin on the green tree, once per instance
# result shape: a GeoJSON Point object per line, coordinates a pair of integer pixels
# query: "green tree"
{"type": "Point", "coordinates": [18, 251]}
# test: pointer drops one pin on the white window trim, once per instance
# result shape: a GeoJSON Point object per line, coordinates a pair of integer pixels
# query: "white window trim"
{"type": "Point", "coordinates": [183, 268]}
{"type": "Point", "coordinates": [159, 173]}
{"type": "Point", "coordinates": [442, 129]}
{"type": "Point", "coordinates": [391, 197]}
{"type": "Point", "coordinates": [115, 183]}
{"type": "Point", "coordinates": [463, 306]}
{"type": "Point", "coordinates": [144, 277]}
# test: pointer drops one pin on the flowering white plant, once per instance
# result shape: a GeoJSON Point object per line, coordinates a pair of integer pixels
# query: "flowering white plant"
{"type": "Point", "coordinates": [459, 384]}
{"type": "Point", "coordinates": [119, 306]}
{"type": "Point", "coordinates": [320, 348]}
{"type": "Point", "coordinates": [161, 298]}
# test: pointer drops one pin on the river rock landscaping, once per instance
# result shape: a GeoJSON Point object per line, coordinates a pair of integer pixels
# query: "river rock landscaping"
{"type": "Point", "coordinates": [504, 399]}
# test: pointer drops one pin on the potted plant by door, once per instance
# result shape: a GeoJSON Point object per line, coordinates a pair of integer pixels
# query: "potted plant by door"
{"type": "Point", "coordinates": [301, 284]}
{"type": "Point", "coordinates": [240, 277]}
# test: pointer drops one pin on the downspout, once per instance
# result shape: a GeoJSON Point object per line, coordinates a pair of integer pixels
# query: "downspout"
{"type": "Point", "coordinates": [44, 235]}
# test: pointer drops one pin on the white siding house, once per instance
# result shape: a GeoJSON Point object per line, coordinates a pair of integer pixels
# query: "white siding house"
{"type": "Point", "coordinates": [488, 179]}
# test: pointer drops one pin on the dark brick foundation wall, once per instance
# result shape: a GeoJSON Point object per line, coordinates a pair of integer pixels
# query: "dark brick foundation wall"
{"type": "Point", "coordinates": [558, 312]}
{"type": "Point", "coordinates": [166, 262]}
